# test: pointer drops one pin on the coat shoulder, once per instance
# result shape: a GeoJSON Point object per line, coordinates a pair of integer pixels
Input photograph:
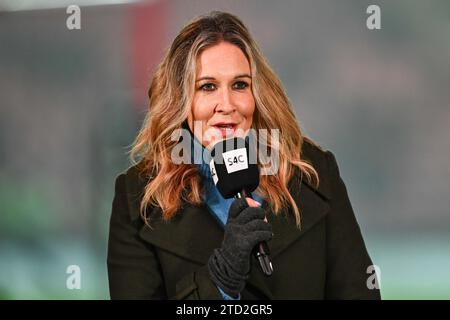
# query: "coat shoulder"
{"type": "Point", "coordinates": [319, 158]}
{"type": "Point", "coordinates": [136, 177]}
{"type": "Point", "coordinates": [132, 182]}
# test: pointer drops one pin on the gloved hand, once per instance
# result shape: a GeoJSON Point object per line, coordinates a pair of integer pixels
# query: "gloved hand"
{"type": "Point", "coordinates": [229, 265]}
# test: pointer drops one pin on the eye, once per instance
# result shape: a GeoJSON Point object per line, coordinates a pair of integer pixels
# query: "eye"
{"type": "Point", "coordinates": [240, 85]}
{"type": "Point", "coordinates": [207, 87]}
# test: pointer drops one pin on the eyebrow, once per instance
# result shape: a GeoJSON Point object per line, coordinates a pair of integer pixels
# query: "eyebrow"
{"type": "Point", "coordinates": [244, 75]}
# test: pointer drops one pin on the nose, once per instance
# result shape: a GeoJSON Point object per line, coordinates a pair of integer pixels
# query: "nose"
{"type": "Point", "coordinates": [225, 103]}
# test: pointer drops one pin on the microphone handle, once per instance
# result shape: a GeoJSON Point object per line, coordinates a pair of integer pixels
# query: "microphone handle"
{"type": "Point", "coordinates": [261, 250]}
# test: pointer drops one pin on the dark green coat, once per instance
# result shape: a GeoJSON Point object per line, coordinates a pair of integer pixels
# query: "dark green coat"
{"type": "Point", "coordinates": [327, 259]}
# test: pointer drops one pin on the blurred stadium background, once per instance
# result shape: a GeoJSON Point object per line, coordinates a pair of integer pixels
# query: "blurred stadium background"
{"type": "Point", "coordinates": [71, 102]}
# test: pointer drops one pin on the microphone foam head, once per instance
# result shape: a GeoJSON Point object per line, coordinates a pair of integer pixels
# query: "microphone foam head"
{"type": "Point", "coordinates": [230, 167]}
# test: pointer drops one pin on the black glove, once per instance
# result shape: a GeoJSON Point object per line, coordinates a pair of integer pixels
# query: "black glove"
{"type": "Point", "coordinates": [229, 265]}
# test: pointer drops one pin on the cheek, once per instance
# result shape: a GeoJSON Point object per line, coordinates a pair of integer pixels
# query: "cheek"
{"type": "Point", "coordinates": [201, 109]}
{"type": "Point", "coordinates": [248, 108]}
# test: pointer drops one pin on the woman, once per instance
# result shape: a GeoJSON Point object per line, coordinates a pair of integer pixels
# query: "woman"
{"type": "Point", "coordinates": [172, 235]}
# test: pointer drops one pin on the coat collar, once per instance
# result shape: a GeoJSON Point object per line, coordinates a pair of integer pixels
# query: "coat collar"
{"type": "Point", "coordinates": [194, 233]}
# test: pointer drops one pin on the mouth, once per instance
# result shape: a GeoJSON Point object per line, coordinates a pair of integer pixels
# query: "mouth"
{"type": "Point", "coordinates": [226, 129]}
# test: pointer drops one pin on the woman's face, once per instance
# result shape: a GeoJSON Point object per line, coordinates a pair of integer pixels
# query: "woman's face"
{"type": "Point", "coordinates": [223, 103]}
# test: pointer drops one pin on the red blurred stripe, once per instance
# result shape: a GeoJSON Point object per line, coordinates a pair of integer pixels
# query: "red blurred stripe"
{"type": "Point", "coordinates": [148, 28]}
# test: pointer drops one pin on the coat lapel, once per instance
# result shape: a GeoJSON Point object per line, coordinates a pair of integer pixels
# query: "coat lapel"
{"type": "Point", "coordinates": [313, 207]}
{"type": "Point", "coordinates": [192, 234]}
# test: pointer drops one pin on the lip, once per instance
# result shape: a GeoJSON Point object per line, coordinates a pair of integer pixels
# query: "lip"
{"type": "Point", "coordinates": [224, 124]}
{"type": "Point", "coordinates": [225, 132]}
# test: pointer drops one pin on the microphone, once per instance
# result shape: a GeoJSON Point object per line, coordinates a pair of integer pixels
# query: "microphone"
{"type": "Point", "coordinates": [234, 176]}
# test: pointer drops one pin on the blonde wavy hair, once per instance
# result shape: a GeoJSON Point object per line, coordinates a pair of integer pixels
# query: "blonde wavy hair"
{"type": "Point", "coordinates": [170, 98]}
